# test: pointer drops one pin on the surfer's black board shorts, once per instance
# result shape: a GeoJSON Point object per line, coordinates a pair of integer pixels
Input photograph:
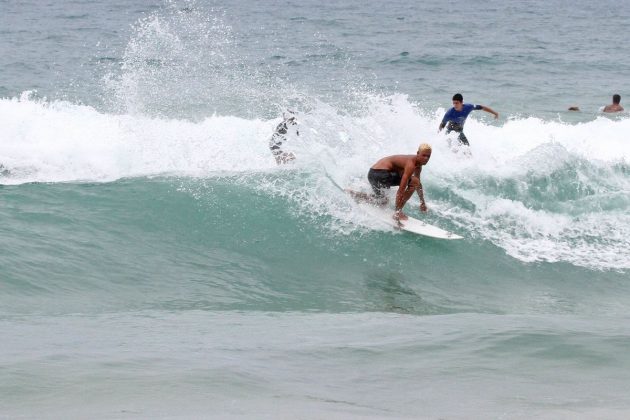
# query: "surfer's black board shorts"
{"type": "Point", "coordinates": [458, 128]}
{"type": "Point", "coordinates": [382, 178]}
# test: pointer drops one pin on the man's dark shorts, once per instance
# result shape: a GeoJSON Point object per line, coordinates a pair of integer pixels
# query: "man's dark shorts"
{"type": "Point", "coordinates": [458, 128]}
{"type": "Point", "coordinates": [382, 178]}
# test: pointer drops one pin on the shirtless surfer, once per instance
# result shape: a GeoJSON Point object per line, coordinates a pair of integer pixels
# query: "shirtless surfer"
{"type": "Point", "coordinates": [401, 170]}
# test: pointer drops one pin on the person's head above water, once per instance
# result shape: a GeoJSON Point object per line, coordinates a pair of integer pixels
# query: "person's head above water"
{"type": "Point", "coordinates": [615, 106]}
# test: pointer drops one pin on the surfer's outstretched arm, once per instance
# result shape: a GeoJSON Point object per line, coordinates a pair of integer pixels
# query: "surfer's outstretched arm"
{"type": "Point", "coordinates": [490, 111]}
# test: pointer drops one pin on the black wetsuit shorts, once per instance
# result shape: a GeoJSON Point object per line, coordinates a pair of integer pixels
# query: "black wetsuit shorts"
{"type": "Point", "coordinates": [458, 128]}
{"type": "Point", "coordinates": [382, 178]}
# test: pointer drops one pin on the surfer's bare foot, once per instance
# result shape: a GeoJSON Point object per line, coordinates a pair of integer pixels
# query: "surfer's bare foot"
{"type": "Point", "coordinates": [399, 215]}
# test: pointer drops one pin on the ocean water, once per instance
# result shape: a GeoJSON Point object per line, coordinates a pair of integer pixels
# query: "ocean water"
{"type": "Point", "coordinates": [155, 262]}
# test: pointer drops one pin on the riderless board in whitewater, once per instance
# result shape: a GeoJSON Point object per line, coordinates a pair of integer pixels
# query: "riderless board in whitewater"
{"type": "Point", "coordinates": [287, 127]}
{"type": "Point", "coordinates": [455, 117]}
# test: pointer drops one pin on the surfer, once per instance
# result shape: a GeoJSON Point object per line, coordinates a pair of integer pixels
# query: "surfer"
{"type": "Point", "coordinates": [614, 107]}
{"type": "Point", "coordinates": [288, 124]}
{"type": "Point", "coordinates": [455, 117]}
{"type": "Point", "coordinates": [401, 170]}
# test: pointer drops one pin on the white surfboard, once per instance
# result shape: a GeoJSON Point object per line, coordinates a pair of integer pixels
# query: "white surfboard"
{"type": "Point", "coordinates": [386, 215]}
{"type": "Point", "coordinates": [410, 225]}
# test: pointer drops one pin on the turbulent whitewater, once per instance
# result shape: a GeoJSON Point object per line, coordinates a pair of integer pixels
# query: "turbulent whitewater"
{"type": "Point", "coordinates": [156, 262]}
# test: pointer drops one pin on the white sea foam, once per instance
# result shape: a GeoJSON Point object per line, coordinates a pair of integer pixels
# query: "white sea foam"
{"type": "Point", "coordinates": [60, 141]}
{"type": "Point", "coordinates": [542, 191]}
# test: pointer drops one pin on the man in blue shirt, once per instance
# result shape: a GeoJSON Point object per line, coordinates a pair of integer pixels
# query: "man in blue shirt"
{"type": "Point", "coordinates": [455, 117]}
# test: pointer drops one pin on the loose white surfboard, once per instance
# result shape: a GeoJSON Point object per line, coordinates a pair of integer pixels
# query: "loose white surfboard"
{"type": "Point", "coordinates": [410, 225]}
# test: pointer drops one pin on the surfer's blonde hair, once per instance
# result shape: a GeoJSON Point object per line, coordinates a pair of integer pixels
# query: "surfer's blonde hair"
{"type": "Point", "coordinates": [424, 146]}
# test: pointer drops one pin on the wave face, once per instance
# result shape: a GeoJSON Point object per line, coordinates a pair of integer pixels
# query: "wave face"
{"type": "Point", "coordinates": [539, 190]}
{"type": "Point", "coordinates": [155, 262]}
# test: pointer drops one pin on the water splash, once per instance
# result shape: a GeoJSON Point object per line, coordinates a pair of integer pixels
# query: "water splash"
{"type": "Point", "coordinates": [542, 191]}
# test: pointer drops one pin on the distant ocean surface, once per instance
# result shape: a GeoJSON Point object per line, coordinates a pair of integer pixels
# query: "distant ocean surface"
{"type": "Point", "coordinates": [155, 262]}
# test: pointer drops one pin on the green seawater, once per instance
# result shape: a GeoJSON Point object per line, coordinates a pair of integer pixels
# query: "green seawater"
{"type": "Point", "coordinates": [156, 263]}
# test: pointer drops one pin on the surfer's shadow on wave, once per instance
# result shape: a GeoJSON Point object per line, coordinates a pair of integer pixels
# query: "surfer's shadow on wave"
{"type": "Point", "coordinates": [391, 292]}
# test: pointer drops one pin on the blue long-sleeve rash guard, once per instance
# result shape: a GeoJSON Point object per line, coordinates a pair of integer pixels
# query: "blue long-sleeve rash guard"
{"type": "Point", "coordinates": [459, 117]}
